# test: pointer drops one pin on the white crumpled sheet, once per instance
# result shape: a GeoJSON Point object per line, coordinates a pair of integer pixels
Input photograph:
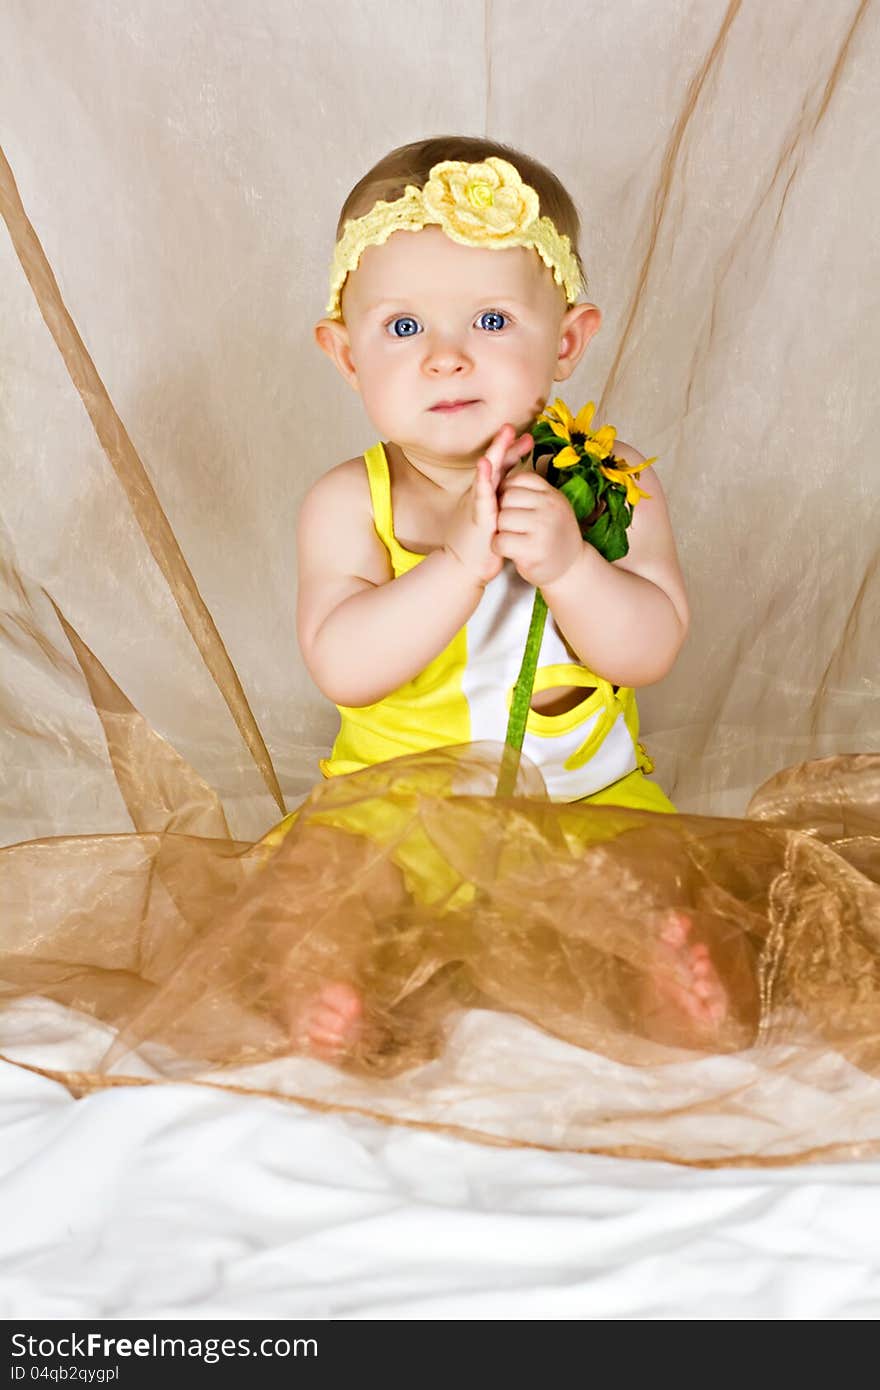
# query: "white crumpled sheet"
{"type": "Point", "coordinates": [184, 1201]}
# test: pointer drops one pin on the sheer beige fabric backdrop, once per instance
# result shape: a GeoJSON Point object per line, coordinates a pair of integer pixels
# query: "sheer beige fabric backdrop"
{"type": "Point", "coordinates": [184, 170]}
{"type": "Point", "coordinates": [164, 409]}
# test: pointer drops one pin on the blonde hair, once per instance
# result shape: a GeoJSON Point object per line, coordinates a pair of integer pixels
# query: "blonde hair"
{"type": "Point", "coordinates": [413, 163]}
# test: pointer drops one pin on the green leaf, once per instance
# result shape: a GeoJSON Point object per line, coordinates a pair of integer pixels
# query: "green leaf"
{"type": "Point", "coordinates": [608, 537]}
{"type": "Point", "coordinates": [616, 499]}
{"type": "Point", "coordinates": [579, 494]}
{"type": "Point", "coordinates": [597, 535]}
{"type": "Point", "coordinates": [616, 544]}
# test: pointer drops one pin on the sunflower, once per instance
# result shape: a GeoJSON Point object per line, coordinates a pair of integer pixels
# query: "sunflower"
{"type": "Point", "coordinates": [582, 442]}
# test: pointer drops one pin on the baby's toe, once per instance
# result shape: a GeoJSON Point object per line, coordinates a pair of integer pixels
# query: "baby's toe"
{"type": "Point", "coordinates": [325, 1026]}
{"type": "Point", "coordinates": [675, 929]}
{"type": "Point", "coordinates": [342, 999]}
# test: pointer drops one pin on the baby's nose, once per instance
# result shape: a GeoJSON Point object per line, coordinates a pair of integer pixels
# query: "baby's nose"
{"type": "Point", "coordinates": [445, 353]}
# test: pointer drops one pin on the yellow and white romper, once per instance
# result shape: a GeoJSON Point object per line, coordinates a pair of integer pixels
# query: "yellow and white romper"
{"type": "Point", "coordinates": [464, 694]}
{"type": "Point", "coordinates": [589, 753]}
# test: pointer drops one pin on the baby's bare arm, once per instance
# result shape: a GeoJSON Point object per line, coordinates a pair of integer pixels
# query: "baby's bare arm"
{"type": "Point", "coordinates": [381, 637]}
{"type": "Point", "coordinates": [362, 632]}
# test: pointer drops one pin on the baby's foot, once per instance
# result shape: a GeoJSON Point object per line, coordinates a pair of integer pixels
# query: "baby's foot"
{"type": "Point", "coordinates": [684, 993]}
{"type": "Point", "coordinates": [331, 1022]}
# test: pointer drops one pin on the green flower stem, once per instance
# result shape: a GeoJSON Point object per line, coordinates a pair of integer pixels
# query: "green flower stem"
{"type": "Point", "coordinates": [522, 699]}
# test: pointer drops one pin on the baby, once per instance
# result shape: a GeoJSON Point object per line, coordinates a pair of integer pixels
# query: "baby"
{"type": "Point", "coordinates": [417, 561]}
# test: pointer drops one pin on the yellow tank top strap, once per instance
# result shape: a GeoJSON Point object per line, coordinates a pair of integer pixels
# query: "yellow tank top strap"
{"type": "Point", "coordinates": [379, 478]}
{"type": "Point", "coordinates": [380, 493]}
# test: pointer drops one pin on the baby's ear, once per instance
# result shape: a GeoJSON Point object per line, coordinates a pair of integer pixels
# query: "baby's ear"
{"type": "Point", "coordinates": [328, 333]}
{"type": "Point", "coordinates": [331, 335]}
{"type": "Point", "coordinates": [578, 325]}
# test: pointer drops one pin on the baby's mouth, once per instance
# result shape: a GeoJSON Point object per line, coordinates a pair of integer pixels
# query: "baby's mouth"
{"type": "Point", "coordinates": [451, 407]}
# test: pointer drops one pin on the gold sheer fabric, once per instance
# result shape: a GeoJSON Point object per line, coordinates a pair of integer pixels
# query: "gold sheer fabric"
{"type": "Point", "coordinates": [509, 952]}
{"type": "Point", "coordinates": [164, 409]}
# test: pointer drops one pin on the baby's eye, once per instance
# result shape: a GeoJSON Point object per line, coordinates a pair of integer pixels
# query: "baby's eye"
{"type": "Point", "coordinates": [494, 314]}
{"type": "Point", "coordinates": [409, 330]}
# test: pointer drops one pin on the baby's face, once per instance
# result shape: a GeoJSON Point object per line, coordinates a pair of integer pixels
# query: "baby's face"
{"type": "Point", "coordinates": [430, 320]}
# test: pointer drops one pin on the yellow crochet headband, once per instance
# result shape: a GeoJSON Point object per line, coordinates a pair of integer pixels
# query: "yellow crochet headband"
{"type": "Point", "coordinates": [485, 204]}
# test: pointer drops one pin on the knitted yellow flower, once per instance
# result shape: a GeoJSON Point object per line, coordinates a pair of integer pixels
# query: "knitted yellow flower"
{"type": "Point", "coordinates": [486, 202]}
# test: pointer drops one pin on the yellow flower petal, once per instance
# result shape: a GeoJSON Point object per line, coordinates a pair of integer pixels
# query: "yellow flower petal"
{"type": "Point", "coordinates": [623, 468]}
{"type": "Point", "coordinates": [623, 476]}
{"type": "Point", "coordinates": [605, 439]}
{"type": "Point", "coordinates": [601, 444]}
{"type": "Point", "coordinates": [585, 417]}
{"type": "Point", "coordinates": [561, 412]}
{"type": "Point", "coordinates": [566, 458]}
{"type": "Point", "coordinates": [634, 493]}
{"type": "Point", "coordinates": [559, 430]}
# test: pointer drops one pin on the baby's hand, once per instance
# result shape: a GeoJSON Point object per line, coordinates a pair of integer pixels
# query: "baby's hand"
{"type": "Point", "coordinates": [473, 524]}
{"type": "Point", "coordinates": [537, 529]}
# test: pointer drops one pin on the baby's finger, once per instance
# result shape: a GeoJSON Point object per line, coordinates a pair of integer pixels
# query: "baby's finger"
{"type": "Point", "coordinates": [497, 452]}
{"type": "Point", "coordinates": [521, 447]}
{"type": "Point", "coordinates": [519, 450]}
{"type": "Point", "coordinates": [485, 503]}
